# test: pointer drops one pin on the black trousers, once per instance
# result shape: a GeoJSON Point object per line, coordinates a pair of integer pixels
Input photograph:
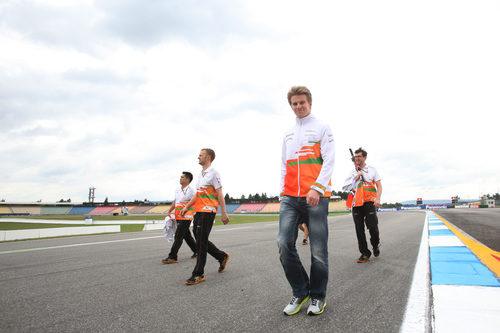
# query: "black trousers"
{"type": "Point", "coordinates": [203, 223]}
{"type": "Point", "coordinates": [182, 233]}
{"type": "Point", "coordinates": [366, 214]}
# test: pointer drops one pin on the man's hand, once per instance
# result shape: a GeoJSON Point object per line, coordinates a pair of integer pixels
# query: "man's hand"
{"type": "Point", "coordinates": [183, 211]}
{"type": "Point", "coordinates": [225, 218]}
{"type": "Point", "coordinates": [312, 198]}
{"type": "Point", "coordinates": [377, 203]}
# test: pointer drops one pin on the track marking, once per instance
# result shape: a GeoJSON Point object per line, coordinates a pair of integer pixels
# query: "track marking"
{"type": "Point", "coordinates": [97, 243]}
{"type": "Point", "coordinates": [418, 305]}
{"type": "Point", "coordinates": [232, 229]}
{"type": "Point", "coordinates": [75, 245]}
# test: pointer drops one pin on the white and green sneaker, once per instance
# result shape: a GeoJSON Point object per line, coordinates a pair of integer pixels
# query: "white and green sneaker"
{"type": "Point", "coordinates": [316, 307]}
{"type": "Point", "coordinates": [295, 304]}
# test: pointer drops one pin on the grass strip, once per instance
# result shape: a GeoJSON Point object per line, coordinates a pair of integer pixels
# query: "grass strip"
{"type": "Point", "coordinates": [234, 219]}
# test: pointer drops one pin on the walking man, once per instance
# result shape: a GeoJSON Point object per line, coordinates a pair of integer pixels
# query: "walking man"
{"type": "Point", "coordinates": [182, 196]}
{"type": "Point", "coordinates": [366, 183]}
{"type": "Point", "coordinates": [307, 161]}
{"type": "Point", "coordinates": [206, 201]}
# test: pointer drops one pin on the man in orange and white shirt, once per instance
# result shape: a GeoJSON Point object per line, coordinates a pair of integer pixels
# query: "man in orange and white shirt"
{"type": "Point", "coordinates": [182, 196]}
{"type": "Point", "coordinates": [307, 161]}
{"type": "Point", "coordinates": [208, 197]}
{"type": "Point", "coordinates": [367, 184]}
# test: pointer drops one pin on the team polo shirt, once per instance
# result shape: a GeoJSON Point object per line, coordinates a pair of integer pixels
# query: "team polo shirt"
{"type": "Point", "coordinates": [206, 194]}
{"type": "Point", "coordinates": [370, 174]}
{"type": "Point", "coordinates": [363, 191]}
{"type": "Point", "coordinates": [182, 197]}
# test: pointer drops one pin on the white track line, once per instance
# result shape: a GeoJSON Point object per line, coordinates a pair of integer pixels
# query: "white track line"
{"type": "Point", "coordinates": [416, 317]}
{"type": "Point", "coordinates": [104, 242]}
{"type": "Point", "coordinates": [74, 245]}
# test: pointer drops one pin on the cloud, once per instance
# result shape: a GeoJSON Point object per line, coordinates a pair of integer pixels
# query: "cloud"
{"type": "Point", "coordinates": [89, 26]}
{"type": "Point", "coordinates": [121, 95]}
{"type": "Point", "coordinates": [202, 23]}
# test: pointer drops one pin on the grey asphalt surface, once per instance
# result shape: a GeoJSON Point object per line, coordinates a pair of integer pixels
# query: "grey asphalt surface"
{"type": "Point", "coordinates": [123, 286]}
{"type": "Point", "coordinates": [482, 224]}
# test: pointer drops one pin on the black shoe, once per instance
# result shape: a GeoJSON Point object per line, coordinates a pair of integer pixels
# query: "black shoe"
{"type": "Point", "coordinates": [363, 258]}
{"type": "Point", "coordinates": [223, 263]}
{"type": "Point", "coordinates": [169, 260]}
{"type": "Point", "coordinates": [376, 251]}
{"type": "Point", "coordinates": [195, 279]}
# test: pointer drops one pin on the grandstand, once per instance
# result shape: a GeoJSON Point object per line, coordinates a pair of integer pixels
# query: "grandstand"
{"type": "Point", "coordinates": [103, 210]}
{"type": "Point", "coordinates": [5, 210]}
{"type": "Point", "coordinates": [160, 209]}
{"type": "Point", "coordinates": [272, 207]}
{"type": "Point", "coordinates": [52, 210]}
{"type": "Point", "coordinates": [139, 209]}
{"type": "Point", "coordinates": [250, 208]}
{"type": "Point", "coordinates": [26, 210]}
{"type": "Point", "coordinates": [135, 209]}
{"type": "Point", "coordinates": [336, 206]}
{"type": "Point", "coordinates": [230, 208]}
{"type": "Point", "coordinates": [79, 210]}
{"type": "Point", "coordinates": [116, 211]}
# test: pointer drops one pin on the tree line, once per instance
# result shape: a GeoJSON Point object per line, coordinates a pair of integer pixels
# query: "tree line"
{"type": "Point", "coordinates": [263, 197]}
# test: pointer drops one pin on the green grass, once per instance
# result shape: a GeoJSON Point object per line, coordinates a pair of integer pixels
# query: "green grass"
{"type": "Point", "coordinates": [22, 226]}
{"type": "Point", "coordinates": [234, 219]}
{"type": "Point", "coordinates": [96, 217]}
{"type": "Point", "coordinates": [131, 227]}
{"type": "Point", "coordinates": [238, 219]}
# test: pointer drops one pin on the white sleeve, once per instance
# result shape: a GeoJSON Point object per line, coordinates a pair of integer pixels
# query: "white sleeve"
{"type": "Point", "coordinates": [350, 182]}
{"type": "Point", "coordinates": [328, 156]}
{"type": "Point", "coordinates": [190, 193]}
{"type": "Point", "coordinates": [216, 180]}
{"type": "Point", "coordinates": [376, 176]}
{"type": "Point", "coordinates": [283, 168]}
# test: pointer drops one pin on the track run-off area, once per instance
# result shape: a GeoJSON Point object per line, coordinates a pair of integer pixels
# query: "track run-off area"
{"type": "Point", "coordinates": [116, 282]}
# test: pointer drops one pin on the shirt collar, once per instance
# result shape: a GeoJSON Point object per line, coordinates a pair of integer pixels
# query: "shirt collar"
{"type": "Point", "coordinates": [305, 120]}
{"type": "Point", "coordinates": [204, 172]}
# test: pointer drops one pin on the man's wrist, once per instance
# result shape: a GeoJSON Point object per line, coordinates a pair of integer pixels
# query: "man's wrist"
{"type": "Point", "coordinates": [316, 189]}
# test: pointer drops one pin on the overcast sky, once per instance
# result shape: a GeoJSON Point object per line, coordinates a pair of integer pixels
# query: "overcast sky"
{"type": "Point", "coordinates": [121, 95]}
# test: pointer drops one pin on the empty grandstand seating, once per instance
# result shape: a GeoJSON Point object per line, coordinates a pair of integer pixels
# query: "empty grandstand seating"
{"type": "Point", "coordinates": [31, 210]}
{"type": "Point", "coordinates": [5, 210]}
{"type": "Point", "coordinates": [160, 209]}
{"type": "Point", "coordinates": [230, 208]}
{"type": "Point", "coordinates": [117, 210]}
{"type": "Point", "coordinates": [139, 209]}
{"type": "Point", "coordinates": [250, 208]}
{"type": "Point", "coordinates": [335, 206]}
{"type": "Point", "coordinates": [55, 210]}
{"type": "Point", "coordinates": [81, 210]}
{"type": "Point", "coordinates": [102, 210]}
{"type": "Point", "coordinates": [272, 207]}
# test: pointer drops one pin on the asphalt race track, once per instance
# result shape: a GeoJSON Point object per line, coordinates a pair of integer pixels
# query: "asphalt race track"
{"type": "Point", "coordinates": [117, 283]}
{"type": "Point", "coordinates": [482, 224]}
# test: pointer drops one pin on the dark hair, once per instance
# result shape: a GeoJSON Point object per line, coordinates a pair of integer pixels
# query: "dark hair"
{"type": "Point", "coordinates": [362, 151]}
{"type": "Point", "coordinates": [210, 153]}
{"type": "Point", "coordinates": [188, 175]}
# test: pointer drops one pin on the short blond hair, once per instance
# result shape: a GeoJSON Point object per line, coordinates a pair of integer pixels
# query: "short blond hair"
{"type": "Point", "coordinates": [211, 153]}
{"type": "Point", "coordinates": [299, 90]}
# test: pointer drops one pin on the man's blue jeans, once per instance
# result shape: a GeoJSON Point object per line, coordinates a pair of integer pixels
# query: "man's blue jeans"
{"type": "Point", "coordinates": [290, 210]}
